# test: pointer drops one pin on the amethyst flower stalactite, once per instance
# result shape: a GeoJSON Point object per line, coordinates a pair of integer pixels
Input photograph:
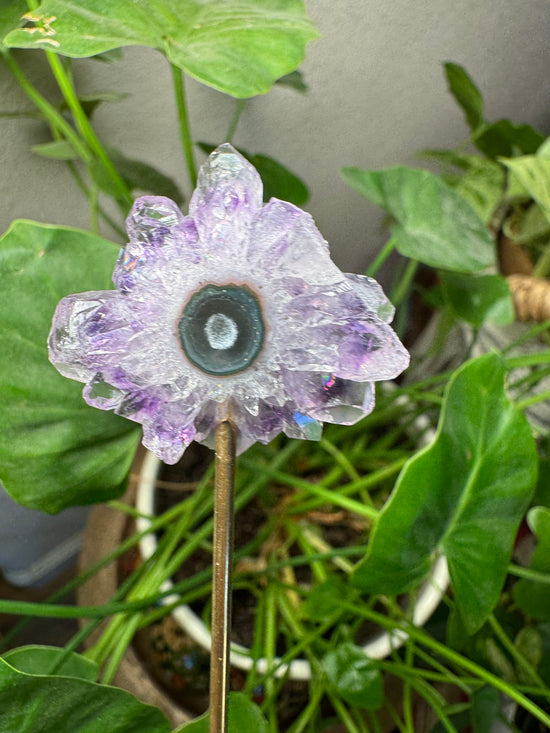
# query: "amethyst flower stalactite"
{"type": "Point", "coordinates": [234, 311]}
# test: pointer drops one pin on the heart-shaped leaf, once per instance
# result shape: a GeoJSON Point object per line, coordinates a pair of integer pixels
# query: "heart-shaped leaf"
{"type": "Point", "coordinates": [356, 677]}
{"type": "Point", "coordinates": [466, 94]}
{"type": "Point", "coordinates": [531, 596]}
{"type": "Point", "coordinates": [56, 451]}
{"type": "Point", "coordinates": [479, 299]}
{"type": "Point", "coordinates": [486, 704]}
{"type": "Point", "coordinates": [10, 14]}
{"type": "Point", "coordinates": [432, 222]}
{"type": "Point", "coordinates": [242, 715]}
{"type": "Point", "coordinates": [464, 495]}
{"type": "Point", "coordinates": [35, 659]}
{"type": "Point", "coordinates": [533, 173]}
{"type": "Point", "coordinates": [278, 181]}
{"type": "Point", "coordinates": [240, 47]}
{"type": "Point", "coordinates": [50, 704]}
{"type": "Point", "coordinates": [505, 138]}
{"type": "Point", "coordinates": [56, 149]}
{"type": "Point", "coordinates": [481, 181]}
{"type": "Point", "coordinates": [138, 176]}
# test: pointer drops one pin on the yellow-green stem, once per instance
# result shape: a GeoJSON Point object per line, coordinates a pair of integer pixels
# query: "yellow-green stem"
{"type": "Point", "coordinates": [183, 117]}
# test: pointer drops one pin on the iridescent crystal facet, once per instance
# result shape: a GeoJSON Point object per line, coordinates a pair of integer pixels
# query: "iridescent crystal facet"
{"type": "Point", "coordinates": [235, 310]}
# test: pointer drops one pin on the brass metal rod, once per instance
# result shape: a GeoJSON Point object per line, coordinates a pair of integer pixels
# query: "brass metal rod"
{"type": "Point", "coordinates": [222, 563]}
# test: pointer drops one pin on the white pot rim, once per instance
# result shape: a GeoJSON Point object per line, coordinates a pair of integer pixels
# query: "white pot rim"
{"type": "Point", "coordinates": [381, 646]}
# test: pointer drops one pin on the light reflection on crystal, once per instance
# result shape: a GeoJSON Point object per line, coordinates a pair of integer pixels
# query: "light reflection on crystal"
{"type": "Point", "coordinates": [324, 334]}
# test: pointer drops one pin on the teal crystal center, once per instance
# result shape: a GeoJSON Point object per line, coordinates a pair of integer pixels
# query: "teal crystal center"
{"type": "Point", "coordinates": [221, 329]}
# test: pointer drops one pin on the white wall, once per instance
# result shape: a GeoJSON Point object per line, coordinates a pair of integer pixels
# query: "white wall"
{"type": "Point", "coordinates": [377, 94]}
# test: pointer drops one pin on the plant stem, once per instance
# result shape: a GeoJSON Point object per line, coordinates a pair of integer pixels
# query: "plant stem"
{"type": "Point", "coordinates": [536, 575]}
{"type": "Point", "coordinates": [124, 642]}
{"type": "Point", "coordinates": [49, 610]}
{"type": "Point", "coordinates": [514, 652]}
{"type": "Point", "coordinates": [184, 129]}
{"type": "Point", "coordinates": [402, 288]}
{"type": "Point", "coordinates": [527, 360]}
{"type": "Point", "coordinates": [408, 717]}
{"type": "Point", "coordinates": [381, 257]}
{"type": "Point", "coordinates": [454, 658]}
{"type": "Point", "coordinates": [340, 458]}
{"type": "Point", "coordinates": [222, 565]}
{"type": "Point", "coordinates": [365, 482]}
{"type": "Point", "coordinates": [528, 335]}
{"type": "Point", "coordinates": [54, 118]}
{"type": "Point", "coordinates": [329, 496]}
{"type": "Point", "coordinates": [542, 268]}
{"type": "Point", "coordinates": [84, 126]}
{"type": "Point", "coordinates": [100, 211]}
{"type": "Point", "coordinates": [533, 400]}
{"type": "Point", "coordinates": [270, 640]}
{"type": "Point", "coordinates": [240, 104]}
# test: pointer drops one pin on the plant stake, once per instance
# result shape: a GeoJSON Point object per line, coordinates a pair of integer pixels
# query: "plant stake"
{"type": "Point", "coordinates": [222, 562]}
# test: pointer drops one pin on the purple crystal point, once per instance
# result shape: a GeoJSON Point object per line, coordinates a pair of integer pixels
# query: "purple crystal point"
{"type": "Point", "coordinates": [235, 310]}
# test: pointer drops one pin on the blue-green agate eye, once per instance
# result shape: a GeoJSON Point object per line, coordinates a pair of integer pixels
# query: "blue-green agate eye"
{"type": "Point", "coordinates": [221, 329]}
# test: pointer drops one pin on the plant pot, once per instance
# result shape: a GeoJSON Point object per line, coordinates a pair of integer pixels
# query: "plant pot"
{"type": "Point", "coordinates": [378, 647]}
{"type": "Point", "coordinates": [134, 676]}
{"type": "Point", "coordinates": [103, 534]}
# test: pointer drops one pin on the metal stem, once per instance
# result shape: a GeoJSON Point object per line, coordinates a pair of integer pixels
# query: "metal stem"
{"type": "Point", "coordinates": [222, 561]}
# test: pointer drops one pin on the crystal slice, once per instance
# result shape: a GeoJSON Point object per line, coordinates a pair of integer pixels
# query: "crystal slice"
{"type": "Point", "coordinates": [153, 221]}
{"type": "Point", "coordinates": [284, 241]}
{"type": "Point", "coordinates": [99, 393]}
{"type": "Point", "coordinates": [227, 197]}
{"type": "Point", "coordinates": [171, 430]}
{"type": "Point", "coordinates": [328, 398]}
{"type": "Point", "coordinates": [372, 295]}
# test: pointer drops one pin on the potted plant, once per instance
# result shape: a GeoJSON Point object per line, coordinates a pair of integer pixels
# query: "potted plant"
{"type": "Point", "coordinates": [463, 495]}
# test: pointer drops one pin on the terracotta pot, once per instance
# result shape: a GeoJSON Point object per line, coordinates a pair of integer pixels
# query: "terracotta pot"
{"type": "Point", "coordinates": [104, 532]}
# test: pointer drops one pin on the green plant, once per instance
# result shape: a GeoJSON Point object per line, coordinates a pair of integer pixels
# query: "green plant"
{"type": "Point", "coordinates": [464, 495]}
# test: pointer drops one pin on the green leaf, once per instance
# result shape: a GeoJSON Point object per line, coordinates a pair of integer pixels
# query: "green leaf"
{"type": "Point", "coordinates": [240, 47]}
{"type": "Point", "coordinates": [542, 492]}
{"type": "Point", "coordinates": [137, 175]}
{"type": "Point", "coordinates": [35, 659]}
{"type": "Point", "coordinates": [433, 223]}
{"type": "Point", "coordinates": [110, 57]}
{"type": "Point", "coordinates": [55, 451]}
{"type": "Point", "coordinates": [466, 94]}
{"type": "Point", "coordinates": [506, 139]}
{"type": "Point", "coordinates": [481, 183]}
{"type": "Point", "coordinates": [50, 704]}
{"type": "Point", "coordinates": [326, 599]}
{"type": "Point", "coordinates": [533, 173]}
{"type": "Point", "coordinates": [530, 596]}
{"type": "Point", "coordinates": [459, 721]}
{"type": "Point", "coordinates": [485, 708]}
{"type": "Point", "coordinates": [90, 102]}
{"type": "Point", "coordinates": [278, 181]}
{"type": "Point", "coordinates": [464, 495]}
{"type": "Point", "coordinates": [356, 677]}
{"type": "Point", "coordinates": [294, 80]}
{"type": "Point", "coordinates": [527, 225]}
{"type": "Point", "coordinates": [10, 16]}
{"type": "Point", "coordinates": [57, 149]}
{"type": "Point", "coordinates": [529, 644]}
{"type": "Point", "coordinates": [544, 669]}
{"type": "Point", "coordinates": [482, 186]}
{"type": "Point", "coordinates": [243, 715]}
{"type": "Point", "coordinates": [477, 299]}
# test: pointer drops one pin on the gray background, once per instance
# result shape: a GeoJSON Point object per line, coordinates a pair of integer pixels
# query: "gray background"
{"type": "Point", "coordinates": [377, 94]}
